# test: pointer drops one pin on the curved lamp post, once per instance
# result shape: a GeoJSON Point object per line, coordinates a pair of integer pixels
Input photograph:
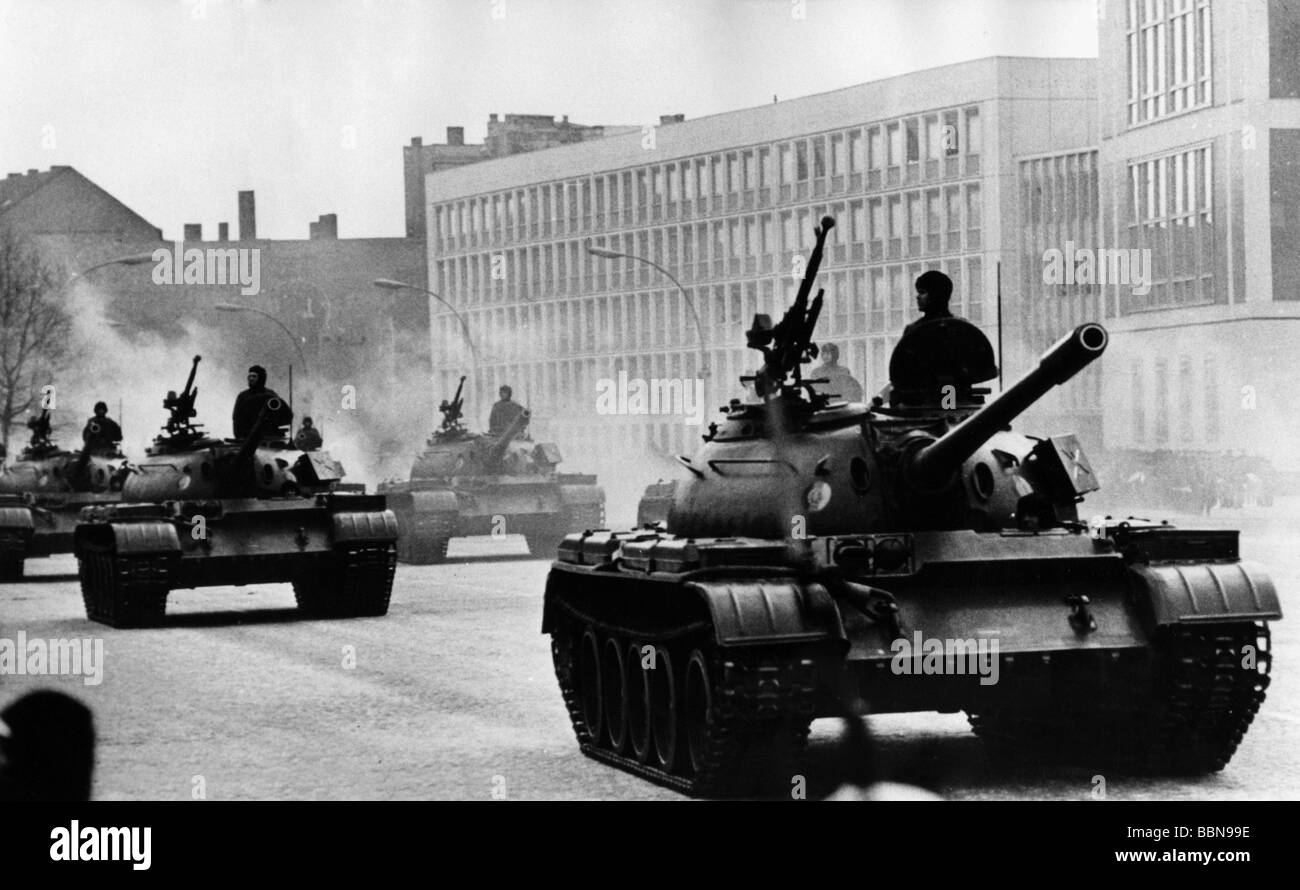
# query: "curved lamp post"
{"type": "Point", "coordinates": [234, 307]}
{"type": "Point", "coordinates": [390, 284]}
{"type": "Point", "coordinates": [606, 254]}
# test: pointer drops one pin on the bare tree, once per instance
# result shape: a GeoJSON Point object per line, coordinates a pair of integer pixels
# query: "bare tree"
{"type": "Point", "coordinates": [34, 329]}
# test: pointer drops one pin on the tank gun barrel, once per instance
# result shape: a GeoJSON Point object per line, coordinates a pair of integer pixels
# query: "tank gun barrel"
{"type": "Point", "coordinates": [931, 465]}
{"type": "Point", "coordinates": [498, 448]}
{"type": "Point", "coordinates": [265, 420]}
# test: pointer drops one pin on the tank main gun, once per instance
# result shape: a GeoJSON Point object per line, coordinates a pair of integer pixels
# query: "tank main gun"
{"type": "Point", "coordinates": [788, 344]}
{"type": "Point", "coordinates": [929, 463]}
{"type": "Point", "coordinates": [497, 449]}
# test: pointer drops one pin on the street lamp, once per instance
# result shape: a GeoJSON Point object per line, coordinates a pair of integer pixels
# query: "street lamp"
{"type": "Point", "coordinates": [390, 284]}
{"type": "Point", "coordinates": [607, 254]}
{"type": "Point", "coordinates": [234, 307]}
{"type": "Point", "coordinates": [135, 259]}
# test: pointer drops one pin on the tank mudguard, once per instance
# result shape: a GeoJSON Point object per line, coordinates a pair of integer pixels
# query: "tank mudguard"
{"type": "Point", "coordinates": [374, 525]}
{"type": "Point", "coordinates": [16, 519]}
{"type": "Point", "coordinates": [434, 502]}
{"type": "Point", "coordinates": [145, 537]}
{"type": "Point", "coordinates": [1189, 593]}
{"type": "Point", "coordinates": [761, 612]}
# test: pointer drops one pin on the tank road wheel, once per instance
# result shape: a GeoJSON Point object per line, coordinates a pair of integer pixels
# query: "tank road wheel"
{"type": "Point", "coordinates": [637, 704]}
{"type": "Point", "coordinates": [614, 687]}
{"type": "Point", "coordinates": [13, 551]}
{"type": "Point", "coordinates": [590, 694]}
{"type": "Point", "coordinates": [123, 591]}
{"type": "Point", "coordinates": [697, 712]}
{"type": "Point", "coordinates": [663, 710]}
{"type": "Point", "coordinates": [356, 581]}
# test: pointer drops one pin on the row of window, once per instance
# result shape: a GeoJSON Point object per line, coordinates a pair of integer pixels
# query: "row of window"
{"type": "Point", "coordinates": [877, 300]}
{"type": "Point", "coordinates": [924, 222]}
{"type": "Point", "coordinates": [1164, 409]}
{"type": "Point", "coordinates": [1168, 57]}
{"type": "Point", "coordinates": [872, 157]}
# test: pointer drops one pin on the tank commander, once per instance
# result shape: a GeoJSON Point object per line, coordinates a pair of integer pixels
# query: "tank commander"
{"type": "Point", "coordinates": [839, 380]}
{"type": "Point", "coordinates": [933, 291]}
{"type": "Point", "coordinates": [308, 438]}
{"type": "Point", "coordinates": [102, 432]}
{"type": "Point", "coordinates": [504, 412]}
{"type": "Point", "coordinates": [248, 404]}
{"type": "Point", "coordinates": [938, 353]}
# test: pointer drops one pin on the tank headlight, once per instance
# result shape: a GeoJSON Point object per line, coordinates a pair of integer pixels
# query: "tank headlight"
{"type": "Point", "coordinates": [818, 496]}
{"type": "Point", "coordinates": [183, 482]}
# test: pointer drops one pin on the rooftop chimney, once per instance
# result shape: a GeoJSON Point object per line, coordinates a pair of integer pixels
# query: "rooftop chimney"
{"type": "Point", "coordinates": [665, 119]}
{"type": "Point", "coordinates": [193, 232]}
{"type": "Point", "coordinates": [492, 118]}
{"type": "Point", "coordinates": [33, 171]}
{"type": "Point", "coordinates": [223, 231]}
{"type": "Point", "coordinates": [247, 217]}
{"type": "Point", "coordinates": [417, 141]}
{"type": "Point", "coordinates": [455, 135]}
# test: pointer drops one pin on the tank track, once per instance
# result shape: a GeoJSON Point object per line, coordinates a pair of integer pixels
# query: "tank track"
{"type": "Point", "coordinates": [763, 704]}
{"type": "Point", "coordinates": [13, 551]}
{"type": "Point", "coordinates": [427, 544]}
{"type": "Point", "coordinates": [357, 582]}
{"type": "Point", "coordinates": [1203, 703]}
{"type": "Point", "coordinates": [124, 591]}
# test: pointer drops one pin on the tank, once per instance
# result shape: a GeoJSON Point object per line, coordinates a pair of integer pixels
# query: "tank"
{"type": "Point", "coordinates": [467, 483]}
{"type": "Point", "coordinates": [911, 554]}
{"type": "Point", "coordinates": [42, 493]}
{"type": "Point", "coordinates": [203, 512]}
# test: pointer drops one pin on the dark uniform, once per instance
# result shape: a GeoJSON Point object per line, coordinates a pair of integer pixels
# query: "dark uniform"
{"type": "Point", "coordinates": [308, 438]}
{"type": "Point", "coordinates": [101, 432]}
{"type": "Point", "coordinates": [839, 379]}
{"type": "Point", "coordinates": [248, 405]}
{"type": "Point", "coordinates": [503, 413]}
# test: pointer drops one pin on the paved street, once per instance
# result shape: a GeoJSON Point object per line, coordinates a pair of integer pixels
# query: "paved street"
{"type": "Point", "coordinates": [451, 695]}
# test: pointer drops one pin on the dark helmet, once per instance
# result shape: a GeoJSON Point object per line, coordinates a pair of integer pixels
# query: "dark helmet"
{"type": "Point", "coordinates": [100, 406]}
{"type": "Point", "coordinates": [506, 392]}
{"type": "Point", "coordinates": [259, 371]}
{"type": "Point", "coordinates": [936, 284]}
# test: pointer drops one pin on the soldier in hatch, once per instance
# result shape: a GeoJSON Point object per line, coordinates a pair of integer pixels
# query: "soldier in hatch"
{"type": "Point", "coordinates": [503, 413]}
{"type": "Point", "coordinates": [308, 438]}
{"type": "Point", "coordinates": [248, 405]}
{"type": "Point", "coordinates": [102, 432]}
{"type": "Point", "coordinates": [839, 380]}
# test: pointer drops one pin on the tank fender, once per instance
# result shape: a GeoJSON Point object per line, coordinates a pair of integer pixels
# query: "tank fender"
{"type": "Point", "coordinates": [1187, 593]}
{"type": "Point", "coordinates": [133, 537]}
{"type": "Point", "coordinates": [16, 518]}
{"type": "Point", "coordinates": [755, 612]}
{"type": "Point", "coordinates": [435, 502]}
{"type": "Point", "coordinates": [371, 525]}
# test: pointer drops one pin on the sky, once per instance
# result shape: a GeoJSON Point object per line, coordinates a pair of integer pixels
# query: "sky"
{"type": "Point", "coordinates": [173, 106]}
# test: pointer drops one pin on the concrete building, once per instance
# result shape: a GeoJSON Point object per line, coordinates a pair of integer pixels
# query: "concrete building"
{"type": "Point", "coordinates": [60, 201]}
{"type": "Point", "coordinates": [515, 134]}
{"type": "Point", "coordinates": [920, 171]}
{"type": "Point", "coordinates": [1199, 163]}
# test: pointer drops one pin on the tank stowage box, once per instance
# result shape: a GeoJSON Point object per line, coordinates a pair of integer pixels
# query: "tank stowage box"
{"type": "Point", "coordinates": [203, 512]}
{"type": "Point", "coordinates": [911, 554]}
{"type": "Point", "coordinates": [470, 484]}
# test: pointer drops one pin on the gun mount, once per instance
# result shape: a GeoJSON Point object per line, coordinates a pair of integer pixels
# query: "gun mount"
{"type": "Point", "coordinates": [451, 413]}
{"type": "Point", "coordinates": [180, 431]}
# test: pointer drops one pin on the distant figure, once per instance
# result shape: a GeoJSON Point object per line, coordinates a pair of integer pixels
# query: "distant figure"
{"type": "Point", "coordinates": [933, 291]}
{"type": "Point", "coordinates": [503, 413]}
{"type": "Point", "coordinates": [841, 381]}
{"type": "Point", "coordinates": [47, 749]}
{"type": "Point", "coordinates": [102, 432]}
{"type": "Point", "coordinates": [248, 405]}
{"type": "Point", "coordinates": [308, 438]}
